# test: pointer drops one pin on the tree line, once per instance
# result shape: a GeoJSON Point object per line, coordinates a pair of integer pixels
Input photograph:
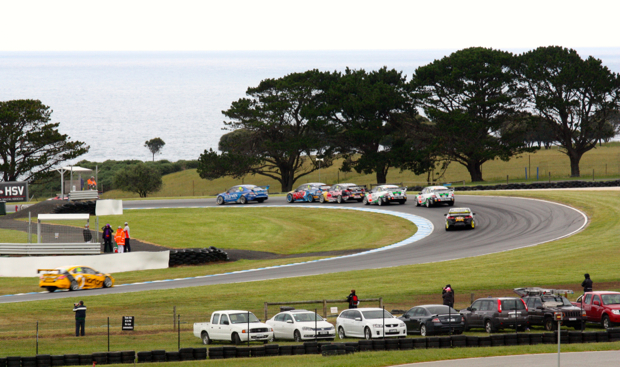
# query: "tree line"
{"type": "Point", "coordinates": [472, 106]}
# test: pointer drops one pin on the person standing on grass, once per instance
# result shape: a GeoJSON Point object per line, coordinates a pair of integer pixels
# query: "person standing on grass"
{"type": "Point", "coordinates": [448, 296]}
{"type": "Point", "coordinates": [127, 245]}
{"type": "Point", "coordinates": [80, 317]}
{"type": "Point", "coordinates": [107, 239]}
{"type": "Point", "coordinates": [120, 239]}
{"type": "Point", "coordinates": [587, 283]}
{"type": "Point", "coordinates": [352, 299]}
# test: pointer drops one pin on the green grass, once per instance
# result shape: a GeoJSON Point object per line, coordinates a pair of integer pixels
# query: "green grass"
{"type": "Point", "coordinates": [12, 236]}
{"type": "Point", "coordinates": [604, 160]}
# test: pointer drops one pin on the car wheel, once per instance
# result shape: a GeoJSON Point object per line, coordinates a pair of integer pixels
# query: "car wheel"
{"type": "Point", "coordinates": [465, 327]}
{"type": "Point", "coordinates": [359, 200]}
{"type": "Point", "coordinates": [310, 198]}
{"type": "Point", "coordinates": [205, 338]}
{"type": "Point", "coordinates": [297, 336]}
{"type": "Point", "coordinates": [451, 203]}
{"type": "Point", "coordinates": [428, 203]}
{"type": "Point", "coordinates": [605, 322]}
{"type": "Point", "coordinates": [339, 199]}
{"type": "Point", "coordinates": [417, 203]}
{"type": "Point", "coordinates": [488, 326]}
{"type": "Point", "coordinates": [107, 283]}
{"type": "Point", "coordinates": [401, 202]}
{"type": "Point", "coordinates": [74, 286]}
{"type": "Point", "coordinates": [447, 226]}
{"type": "Point", "coordinates": [380, 201]}
{"type": "Point", "coordinates": [236, 339]}
{"type": "Point", "coordinates": [473, 224]}
{"type": "Point", "coordinates": [549, 324]}
{"type": "Point", "coordinates": [341, 333]}
{"type": "Point", "coordinates": [220, 200]}
{"type": "Point", "coordinates": [423, 331]}
{"type": "Point", "coordinates": [50, 289]}
{"type": "Point", "coordinates": [289, 198]}
{"type": "Point", "coordinates": [322, 199]}
{"type": "Point", "coordinates": [260, 200]}
{"type": "Point", "coordinates": [367, 334]}
{"type": "Point", "coordinates": [243, 200]}
{"type": "Point", "coordinates": [365, 200]}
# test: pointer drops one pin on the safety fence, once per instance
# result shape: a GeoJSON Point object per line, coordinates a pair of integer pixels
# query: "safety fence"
{"type": "Point", "coordinates": [323, 303]}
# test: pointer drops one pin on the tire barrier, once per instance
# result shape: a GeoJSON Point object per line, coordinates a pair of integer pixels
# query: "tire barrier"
{"type": "Point", "coordinates": [534, 185]}
{"type": "Point", "coordinates": [76, 207]}
{"type": "Point", "coordinates": [196, 256]}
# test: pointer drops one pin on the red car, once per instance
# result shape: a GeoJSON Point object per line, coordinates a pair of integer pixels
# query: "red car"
{"type": "Point", "coordinates": [342, 192]}
{"type": "Point", "coordinates": [603, 307]}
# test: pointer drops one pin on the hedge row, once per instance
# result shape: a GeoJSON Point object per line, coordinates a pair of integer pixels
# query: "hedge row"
{"type": "Point", "coordinates": [537, 185]}
{"type": "Point", "coordinates": [196, 256]}
{"type": "Point", "coordinates": [76, 207]}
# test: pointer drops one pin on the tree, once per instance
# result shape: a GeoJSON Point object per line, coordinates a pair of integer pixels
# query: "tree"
{"type": "Point", "coordinates": [155, 145]}
{"type": "Point", "coordinates": [363, 115]}
{"type": "Point", "coordinates": [140, 178]}
{"type": "Point", "coordinates": [468, 96]}
{"type": "Point", "coordinates": [276, 132]}
{"type": "Point", "coordinates": [30, 146]}
{"type": "Point", "coordinates": [575, 97]}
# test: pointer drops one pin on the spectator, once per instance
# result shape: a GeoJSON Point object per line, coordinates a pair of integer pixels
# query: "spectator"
{"type": "Point", "coordinates": [120, 239]}
{"type": "Point", "coordinates": [92, 184]}
{"type": "Point", "coordinates": [352, 299]}
{"type": "Point", "coordinates": [87, 235]}
{"type": "Point", "coordinates": [107, 238]}
{"type": "Point", "coordinates": [587, 283]}
{"type": "Point", "coordinates": [127, 245]}
{"type": "Point", "coordinates": [80, 317]}
{"type": "Point", "coordinates": [447, 294]}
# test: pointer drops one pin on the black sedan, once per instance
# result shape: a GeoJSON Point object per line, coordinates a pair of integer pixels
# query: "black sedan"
{"type": "Point", "coordinates": [433, 319]}
{"type": "Point", "coordinates": [460, 218]}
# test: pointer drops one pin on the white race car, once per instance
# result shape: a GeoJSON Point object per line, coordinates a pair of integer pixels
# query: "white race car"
{"type": "Point", "coordinates": [385, 194]}
{"type": "Point", "coordinates": [434, 195]}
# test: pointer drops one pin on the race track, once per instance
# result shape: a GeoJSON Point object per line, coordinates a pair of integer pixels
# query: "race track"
{"type": "Point", "coordinates": [501, 224]}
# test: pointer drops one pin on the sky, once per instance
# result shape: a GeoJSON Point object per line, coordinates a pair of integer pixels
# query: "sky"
{"type": "Point", "coordinates": [213, 25]}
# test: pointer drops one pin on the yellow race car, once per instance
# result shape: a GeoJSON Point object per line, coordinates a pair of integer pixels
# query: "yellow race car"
{"type": "Point", "coordinates": [74, 278]}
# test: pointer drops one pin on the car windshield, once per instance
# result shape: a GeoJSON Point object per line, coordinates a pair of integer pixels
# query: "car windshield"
{"type": "Point", "coordinates": [242, 318]}
{"type": "Point", "coordinates": [611, 299]}
{"type": "Point", "coordinates": [250, 187]}
{"type": "Point", "coordinates": [440, 310]}
{"type": "Point", "coordinates": [376, 314]}
{"type": "Point", "coordinates": [563, 301]}
{"type": "Point", "coordinates": [441, 192]}
{"type": "Point", "coordinates": [460, 212]}
{"type": "Point", "coordinates": [307, 317]}
{"type": "Point", "coordinates": [389, 187]}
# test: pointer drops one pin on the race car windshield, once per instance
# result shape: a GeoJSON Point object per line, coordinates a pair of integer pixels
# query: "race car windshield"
{"type": "Point", "coordinates": [242, 318]}
{"type": "Point", "coordinates": [307, 317]}
{"type": "Point", "coordinates": [611, 299]}
{"type": "Point", "coordinates": [441, 192]}
{"type": "Point", "coordinates": [376, 314]}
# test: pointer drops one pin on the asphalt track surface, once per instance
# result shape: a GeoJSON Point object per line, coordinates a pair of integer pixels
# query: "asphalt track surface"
{"type": "Point", "coordinates": [502, 224]}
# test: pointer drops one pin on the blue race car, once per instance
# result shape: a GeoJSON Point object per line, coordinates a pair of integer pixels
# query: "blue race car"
{"type": "Point", "coordinates": [308, 192]}
{"type": "Point", "coordinates": [242, 194]}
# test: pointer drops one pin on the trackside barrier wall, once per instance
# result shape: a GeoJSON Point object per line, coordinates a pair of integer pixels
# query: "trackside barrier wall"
{"type": "Point", "coordinates": [107, 263]}
{"type": "Point", "coordinates": [324, 302]}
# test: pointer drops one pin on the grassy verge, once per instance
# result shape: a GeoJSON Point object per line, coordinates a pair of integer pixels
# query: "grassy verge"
{"type": "Point", "coordinates": [11, 236]}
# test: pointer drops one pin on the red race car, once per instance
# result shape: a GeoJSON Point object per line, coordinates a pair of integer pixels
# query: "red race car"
{"type": "Point", "coordinates": [342, 192]}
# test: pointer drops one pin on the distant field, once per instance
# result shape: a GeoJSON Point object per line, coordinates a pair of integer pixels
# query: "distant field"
{"type": "Point", "coordinates": [604, 160]}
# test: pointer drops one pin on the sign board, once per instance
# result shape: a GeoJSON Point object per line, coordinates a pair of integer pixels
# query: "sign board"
{"type": "Point", "coordinates": [333, 310]}
{"type": "Point", "coordinates": [558, 316]}
{"type": "Point", "coordinates": [128, 322]}
{"type": "Point", "coordinates": [14, 191]}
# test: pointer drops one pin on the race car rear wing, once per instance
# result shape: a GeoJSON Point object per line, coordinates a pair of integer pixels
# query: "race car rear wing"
{"type": "Point", "coordinates": [537, 291]}
{"type": "Point", "coordinates": [42, 270]}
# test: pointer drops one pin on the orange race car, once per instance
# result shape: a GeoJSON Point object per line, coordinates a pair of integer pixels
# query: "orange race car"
{"type": "Point", "coordinates": [74, 278]}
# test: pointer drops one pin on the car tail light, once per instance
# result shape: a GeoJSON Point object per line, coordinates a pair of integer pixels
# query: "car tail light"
{"type": "Point", "coordinates": [468, 217]}
{"type": "Point", "coordinates": [434, 197]}
{"type": "Point", "coordinates": [526, 309]}
{"type": "Point", "coordinates": [499, 306]}
{"type": "Point", "coordinates": [436, 320]}
{"type": "Point", "coordinates": [449, 217]}
{"type": "Point", "coordinates": [61, 277]}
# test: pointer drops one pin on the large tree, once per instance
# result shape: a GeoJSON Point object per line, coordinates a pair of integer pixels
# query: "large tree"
{"type": "Point", "coordinates": [575, 97]}
{"type": "Point", "coordinates": [140, 178]}
{"type": "Point", "coordinates": [30, 145]}
{"type": "Point", "coordinates": [469, 95]}
{"type": "Point", "coordinates": [275, 132]}
{"type": "Point", "coordinates": [365, 112]}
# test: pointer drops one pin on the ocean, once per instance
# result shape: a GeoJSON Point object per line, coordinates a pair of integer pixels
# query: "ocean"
{"type": "Point", "coordinates": [116, 101]}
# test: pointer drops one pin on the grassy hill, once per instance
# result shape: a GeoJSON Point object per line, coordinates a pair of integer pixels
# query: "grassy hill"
{"type": "Point", "coordinates": [604, 161]}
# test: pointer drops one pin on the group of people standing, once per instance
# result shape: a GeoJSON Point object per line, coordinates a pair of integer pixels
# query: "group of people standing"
{"type": "Point", "coordinates": [121, 237]}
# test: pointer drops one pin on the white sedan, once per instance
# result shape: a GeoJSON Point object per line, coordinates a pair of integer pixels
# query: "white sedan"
{"type": "Point", "coordinates": [369, 323]}
{"type": "Point", "coordinates": [300, 325]}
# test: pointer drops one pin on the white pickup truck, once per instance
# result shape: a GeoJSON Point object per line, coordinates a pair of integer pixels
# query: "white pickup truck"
{"type": "Point", "coordinates": [233, 326]}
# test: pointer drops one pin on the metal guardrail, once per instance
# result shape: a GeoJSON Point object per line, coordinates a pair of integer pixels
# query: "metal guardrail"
{"type": "Point", "coordinates": [50, 248]}
{"type": "Point", "coordinates": [84, 195]}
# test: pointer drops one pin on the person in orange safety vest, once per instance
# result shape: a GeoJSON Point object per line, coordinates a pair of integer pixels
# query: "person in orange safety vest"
{"type": "Point", "coordinates": [92, 184]}
{"type": "Point", "coordinates": [119, 237]}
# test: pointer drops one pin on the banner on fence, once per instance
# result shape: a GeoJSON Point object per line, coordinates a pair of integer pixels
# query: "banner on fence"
{"type": "Point", "coordinates": [14, 191]}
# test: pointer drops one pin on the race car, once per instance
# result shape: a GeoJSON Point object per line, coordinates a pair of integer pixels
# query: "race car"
{"type": "Point", "coordinates": [433, 195]}
{"type": "Point", "coordinates": [342, 192]}
{"type": "Point", "coordinates": [73, 278]}
{"type": "Point", "coordinates": [242, 194]}
{"type": "Point", "coordinates": [308, 192]}
{"type": "Point", "coordinates": [460, 218]}
{"type": "Point", "coordinates": [385, 194]}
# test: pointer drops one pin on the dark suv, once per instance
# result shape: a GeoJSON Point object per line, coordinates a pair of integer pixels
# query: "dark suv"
{"type": "Point", "coordinates": [495, 313]}
{"type": "Point", "coordinates": [543, 303]}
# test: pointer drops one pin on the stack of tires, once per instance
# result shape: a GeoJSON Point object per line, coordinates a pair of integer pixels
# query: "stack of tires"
{"type": "Point", "coordinates": [145, 357]}
{"type": "Point", "coordinates": [3, 362]}
{"type": "Point", "coordinates": [158, 355]}
{"type": "Point", "coordinates": [44, 360]}
{"type": "Point", "coordinates": [196, 256]}
{"type": "Point", "coordinates": [72, 359]}
{"type": "Point", "coordinates": [76, 207]}
{"type": "Point", "coordinates": [230, 352]}
{"type": "Point", "coordinates": [186, 354]}
{"type": "Point", "coordinates": [311, 348]}
{"type": "Point", "coordinates": [459, 340]}
{"type": "Point", "coordinates": [243, 352]}
{"type": "Point", "coordinates": [29, 361]}
{"type": "Point", "coordinates": [405, 344]}
{"type": "Point", "coordinates": [100, 358]}
{"type": "Point", "coordinates": [286, 350]}
{"type": "Point", "coordinates": [614, 334]}
{"type": "Point", "coordinates": [173, 356]}
{"type": "Point", "coordinates": [115, 357]}
{"type": "Point", "coordinates": [216, 353]}
{"type": "Point", "coordinates": [419, 343]}
{"type": "Point", "coordinates": [200, 353]}
{"type": "Point", "coordinates": [86, 359]}
{"type": "Point", "coordinates": [13, 361]}
{"type": "Point", "coordinates": [258, 351]}
{"type": "Point", "coordinates": [272, 350]}
{"type": "Point", "coordinates": [128, 356]}
{"type": "Point", "coordinates": [365, 345]}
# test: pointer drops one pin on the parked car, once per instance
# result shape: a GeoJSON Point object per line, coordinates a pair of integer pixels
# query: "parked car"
{"type": "Point", "coordinates": [543, 303]}
{"type": "Point", "coordinates": [234, 326]}
{"type": "Point", "coordinates": [433, 319]}
{"type": "Point", "coordinates": [386, 194]}
{"type": "Point", "coordinates": [308, 192]}
{"type": "Point", "coordinates": [369, 323]}
{"type": "Point", "coordinates": [600, 307]}
{"type": "Point", "coordinates": [301, 325]}
{"type": "Point", "coordinates": [74, 278]}
{"type": "Point", "coordinates": [342, 192]}
{"type": "Point", "coordinates": [435, 195]}
{"type": "Point", "coordinates": [496, 313]}
{"type": "Point", "coordinates": [460, 218]}
{"type": "Point", "coordinates": [243, 194]}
